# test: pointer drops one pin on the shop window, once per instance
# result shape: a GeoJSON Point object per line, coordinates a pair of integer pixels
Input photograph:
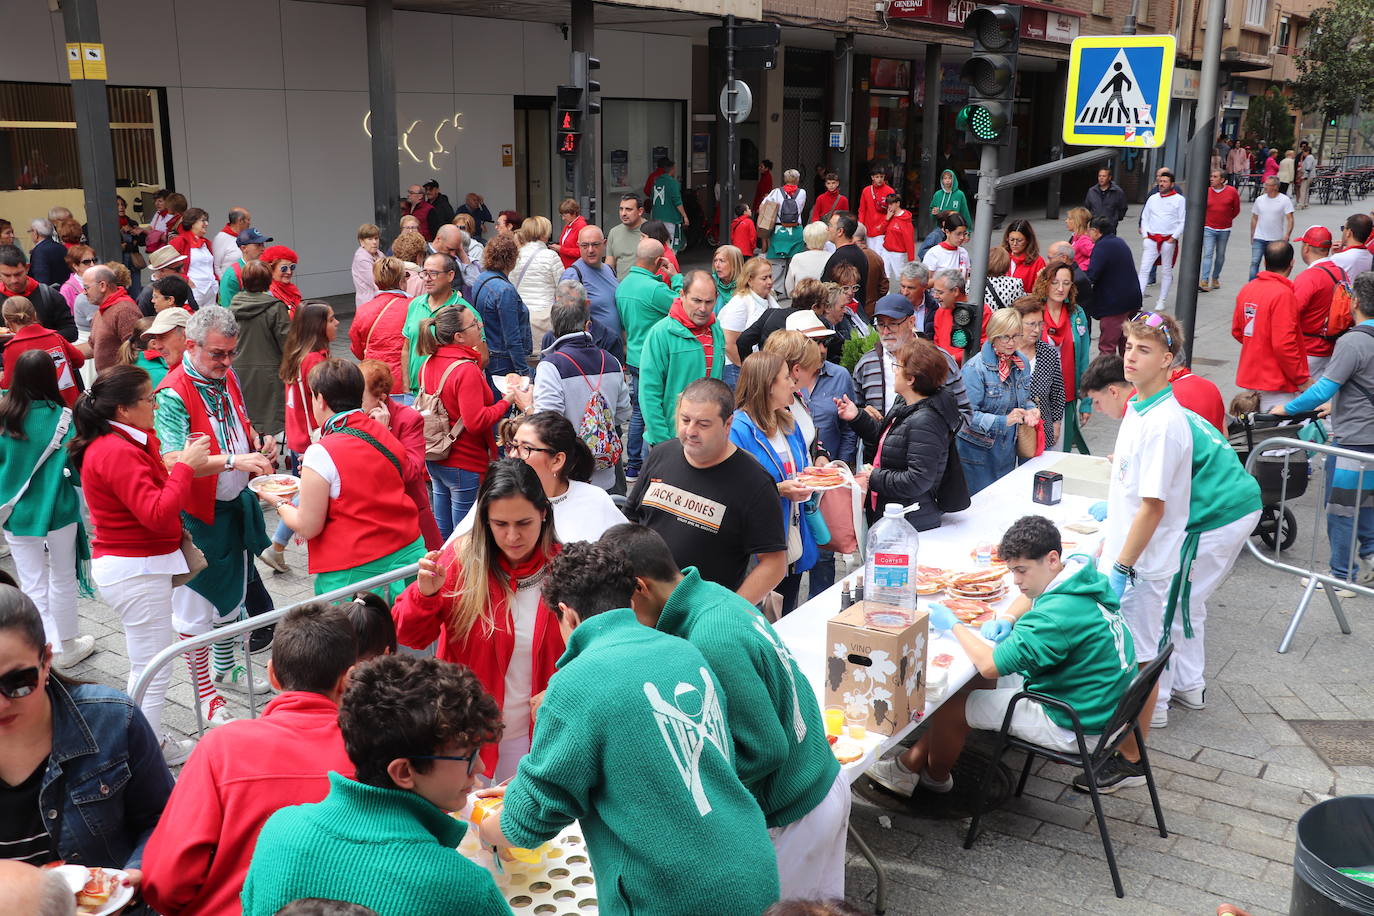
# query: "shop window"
{"type": "Point", "coordinates": [38, 136]}
{"type": "Point", "coordinates": [635, 132]}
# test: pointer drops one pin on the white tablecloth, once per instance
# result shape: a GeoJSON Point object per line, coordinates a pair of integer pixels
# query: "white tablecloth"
{"type": "Point", "coordinates": [950, 547]}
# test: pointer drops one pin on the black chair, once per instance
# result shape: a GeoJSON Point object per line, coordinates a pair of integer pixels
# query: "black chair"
{"type": "Point", "coordinates": [1122, 723]}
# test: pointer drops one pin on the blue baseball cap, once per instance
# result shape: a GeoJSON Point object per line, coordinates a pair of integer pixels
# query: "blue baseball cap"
{"type": "Point", "coordinates": [251, 236]}
{"type": "Point", "coordinates": [894, 305]}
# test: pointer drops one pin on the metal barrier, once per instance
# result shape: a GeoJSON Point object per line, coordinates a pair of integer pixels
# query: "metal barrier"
{"type": "Point", "coordinates": [1297, 448]}
{"type": "Point", "coordinates": [244, 628]}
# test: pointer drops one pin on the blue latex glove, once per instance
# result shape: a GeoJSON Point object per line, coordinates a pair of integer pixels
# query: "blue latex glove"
{"type": "Point", "coordinates": [1118, 580]}
{"type": "Point", "coordinates": [997, 629]}
{"type": "Point", "coordinates": [1098, 510]}
{"type": "Point", "coordinates": [941, 617]}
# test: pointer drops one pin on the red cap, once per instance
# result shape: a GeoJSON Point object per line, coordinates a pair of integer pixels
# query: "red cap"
{"type": "Point", "coordinates": [1317, 237]}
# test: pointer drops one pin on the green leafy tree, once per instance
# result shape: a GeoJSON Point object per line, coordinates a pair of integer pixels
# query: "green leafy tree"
{"type": "Point", "coordinates": [1269, 119]}
{"type": "Point", "coordinates": [1335, 68]}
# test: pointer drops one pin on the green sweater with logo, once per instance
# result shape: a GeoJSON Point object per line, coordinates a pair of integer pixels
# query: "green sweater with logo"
{"type": "Point", "coordinates": [781, 753]}
{"type": "Point", "coordinates": [1073, 645]}
{"type": "Point", "coordinates": [386, 849]}
{"type": "Point", "coordinates": [632, 741]}
{"type": "Point", "coordinates": [50, 501]}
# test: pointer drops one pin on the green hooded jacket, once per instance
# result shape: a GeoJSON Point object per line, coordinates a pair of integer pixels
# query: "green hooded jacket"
{"type": "Point", "coordinates": [952, 199]}
{"type": "Point", "coordinates": [671, 359]}
{"type": "Point", "coordinates": [1073, 645]}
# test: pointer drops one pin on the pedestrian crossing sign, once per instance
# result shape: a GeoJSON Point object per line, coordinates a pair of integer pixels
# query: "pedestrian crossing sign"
{"type": "Point", "coordinates": [1119, 87]}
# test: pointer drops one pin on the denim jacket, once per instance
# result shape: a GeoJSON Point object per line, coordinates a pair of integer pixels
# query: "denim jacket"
{"type": "Point", "coordinates": [506, 323]}
{"type": "Point", "coordinates": [106, 783]}
{"type": "Point", "coordinates": [992, 399]}
{"type": "Point", "coordinates": [745, 434]}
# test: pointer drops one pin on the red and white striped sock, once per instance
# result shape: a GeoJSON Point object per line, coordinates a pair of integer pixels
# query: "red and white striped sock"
{"type": "Point", "coordinates": [199, 662]}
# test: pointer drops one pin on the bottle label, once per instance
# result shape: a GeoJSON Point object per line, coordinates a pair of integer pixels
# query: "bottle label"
{"type": "Point", "coordinates": [891, 570]}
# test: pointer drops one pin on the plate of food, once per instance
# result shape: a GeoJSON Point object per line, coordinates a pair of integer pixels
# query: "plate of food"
{"type": "Point", "coordinates": [846, 750]}
{"type": "Point", "coordinates": [824, 478]}
{"type": "Point", "coordinates": [98, 891]}
{"type": "Point", "coordinates": [282, 486]}
{"type": "Point", "coordinates": [969, 610]}
{"type": "Point", "coordinates": [930, 580]}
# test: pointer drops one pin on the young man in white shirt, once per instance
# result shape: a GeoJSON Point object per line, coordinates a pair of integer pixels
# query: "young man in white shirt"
{"type": "Point", "coordinates": [1353, 257]}
{"type": "Point", "coordinates": [1271, 220]}
{"type": "Point", "coordinates": [1161, 225]}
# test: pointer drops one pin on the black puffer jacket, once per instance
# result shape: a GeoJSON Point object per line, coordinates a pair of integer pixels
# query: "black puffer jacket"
{"type": "Point", "coordinates": [912, 462]}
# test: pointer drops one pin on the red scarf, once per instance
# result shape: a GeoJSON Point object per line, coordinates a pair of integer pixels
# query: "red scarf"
{"type": "Point", "coordinates": [1060, 334]}
{"type": "Point", "coordinates": [119, 295]}
{"type": "Point", "coordinates": [1169, 193]}
{"type": "Point", "coordinates": [289, 293]}
{"type": "Point", "coordinates": [789, 189]}
{"type": "Point", "coordinates": [702, 334]}
{"type": "Point", "coordinates": [30, 288]}
{"type": "Point", "coordinates": [948, 247]}
{"type": "Point", "coordinates": [192, 240]}
{"type": "Point", "coordinates": [1005, 361]}
{"type": "Point", "coordinates": [227, 230]}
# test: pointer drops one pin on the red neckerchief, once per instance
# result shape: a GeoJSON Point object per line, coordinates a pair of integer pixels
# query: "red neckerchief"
{"type": "Point", "coordinates": [289, 293]}
{"type": "Point", "coordinates": [151, 355]}
{"type": "Point", "coordinates": [948, 247]}
{"type": "Point", "coordinates": [28, 290]}
{"type": "Point", "coordinates": [192, 240]}
{"type": "Point", "coordinates": [703, 334]}
{"type": "Point", "coordinates": [1169, 193]}
{"type": "Point", "coordinates": [119, 295]}
{"type": "Point", "coordinates": [1005, 361]}
{"type": "Point", "coordinates": [789, 189]}
{"type": "Point", "coordinates": [228, 231]}
{"type": "Point", "coordinates": [531, 565]}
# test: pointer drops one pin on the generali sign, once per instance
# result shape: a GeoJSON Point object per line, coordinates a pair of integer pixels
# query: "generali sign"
{"type": "Point", "coordinates": [1037, 23]}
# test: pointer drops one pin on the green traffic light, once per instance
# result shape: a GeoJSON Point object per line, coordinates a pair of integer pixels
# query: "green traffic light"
{"type": "Point", "coordinates": [979, 121]}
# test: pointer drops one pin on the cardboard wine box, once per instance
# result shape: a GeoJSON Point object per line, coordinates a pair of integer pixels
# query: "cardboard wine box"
{"type": "Point", "coordinates": [881, 668]}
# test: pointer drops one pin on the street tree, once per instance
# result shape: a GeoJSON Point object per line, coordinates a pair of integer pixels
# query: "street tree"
{"type": "Point", "coordinates": [1336, 76]}
{"type": "Point", "coordinates": [1269, 119]}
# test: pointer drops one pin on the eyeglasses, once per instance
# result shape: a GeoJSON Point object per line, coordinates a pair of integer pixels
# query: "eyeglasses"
{"type": "Point", "coordinates": [431, 274]}
{"type": "Point", "coordinates": [287, 268]}
{"type": "Point", "coordinates": [18, 684]}
{"type": "Point", "coordinates": [524, 450]}
{"type": "Point", "coordinates": [471, 759]}
{"type": "Point", "coordinates": [87, 262]}
{"type": "Point", "coordinates": [221, 355]}
{"type": "Point", "coordinates": [1155, 320]}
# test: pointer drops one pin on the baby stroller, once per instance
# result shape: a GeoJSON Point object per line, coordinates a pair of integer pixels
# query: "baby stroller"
{"type": "Point", "coordinates": [1282, 472]}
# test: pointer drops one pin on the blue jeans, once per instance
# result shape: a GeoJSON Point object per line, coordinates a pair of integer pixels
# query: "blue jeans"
{"type": "Point", "coordinates": [1256, 255]}
{"type": "Point", "coordinates": [822, 574]}
{"type": "Point", "coordinates": [730, 375]}
{"type": "Point", "coordinates": [634, 439]}
{"type": "Point", "coordinates": [1341, 528]}
{"type": "Point", "coordinates": [452, 493]}
{"type": "Point", "coordinates": [1213, 252]}
{"type": "Point", "coordinates": [283, 533]}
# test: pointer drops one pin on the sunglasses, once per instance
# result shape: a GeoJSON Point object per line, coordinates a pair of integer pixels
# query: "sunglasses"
{"type": "Point", "coordinates": [471, 759]}
{"type": "Point", "coordinates": [19, 684]}
{"type": "Point", "coordinates": [1155, 320]}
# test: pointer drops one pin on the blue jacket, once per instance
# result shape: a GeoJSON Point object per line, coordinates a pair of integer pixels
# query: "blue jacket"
{"type": "Point", "coordinates": [1116, 291]}
{"type": "Point", "coordinates": [506, 323]}
{"type": "Point", "coordinates": [746, 434]}
{"type": "Point", "coordinates": [992, 399]}
{"type": "Point", "coordinates": [836, 436]}
{"type": "Point", "coordinates": [106, 783]}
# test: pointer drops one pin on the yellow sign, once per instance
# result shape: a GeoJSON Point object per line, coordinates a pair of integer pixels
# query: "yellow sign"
{"type": "Point", "coordinates": [93, 61]}
{"type": "Point", "coordinates": [1119, 89]}
{"type": "Point", "coordinates": [74, 61]}
{"type": "Point", "coordinates": [507, 155]}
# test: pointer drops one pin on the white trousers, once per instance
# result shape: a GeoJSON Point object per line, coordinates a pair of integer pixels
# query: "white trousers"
{"type": "Point", "coordinates": [893, 261]}
{"type": "Point", "coordinates": [144, 603]}
{"type": "Point", "coordinates": [1142, 607]}
{"type": "Point", "coordinates": [511, 752]}
{"type": "Point", "coordinates": [811, 850]}
{"type": "Point", "coordinates": [1150, 251]}
{"type": "Point", "coordinates": [1217, 552]}
{"type": "Point", "coordinates": [194, 615]}
{"type": "Point", "coordinates": [47, 574]}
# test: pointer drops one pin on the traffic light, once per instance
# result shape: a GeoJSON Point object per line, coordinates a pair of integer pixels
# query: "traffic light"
{"type": "Point", "coordinates": [569, 99]}
{"type": "Point", "coordinates": [991, 73]}
{"type": "Point", "coordinates": [583, 65]}
{"type": "Point", "coordinates": [966, 333]}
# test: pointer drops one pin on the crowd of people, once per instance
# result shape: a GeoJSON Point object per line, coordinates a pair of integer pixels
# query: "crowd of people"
{"type": "Point", "coordinates": [592, 457]}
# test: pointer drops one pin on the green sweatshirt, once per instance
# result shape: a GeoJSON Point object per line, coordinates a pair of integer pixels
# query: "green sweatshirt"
{"type": "Point", "coordinates": [673, 359]}
{"type": "Point", "coordinates": [642, 299]}
{"type": "Point", "coordinates": [781, 753]}
{"type": "Point", "coordinates": [1073, 645]}
{"type": "Point", "coordinates": [50, 501]}
{"type": "Point", "coordinates": [632, 741]}
{"type": "Point", "coordinates": [952, 199]}
{"type": "Point", "coordinates": [381, 848]}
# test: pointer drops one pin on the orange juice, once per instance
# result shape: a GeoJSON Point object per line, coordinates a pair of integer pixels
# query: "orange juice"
{"type": "Point", "coordinates": [491, 807]}
{"type": "Point", "coordinates": [834, 721]}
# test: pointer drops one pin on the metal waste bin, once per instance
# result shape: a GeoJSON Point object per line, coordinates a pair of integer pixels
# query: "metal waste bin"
{"type": "Point", "coordinates": [1334, 834]}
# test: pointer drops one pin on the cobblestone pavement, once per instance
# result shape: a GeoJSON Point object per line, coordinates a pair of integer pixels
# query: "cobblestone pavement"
{"type": "Point", "coordinates": [1233, 778]}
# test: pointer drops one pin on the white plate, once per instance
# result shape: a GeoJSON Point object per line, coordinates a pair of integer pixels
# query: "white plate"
{"type": "Point", "coordinates": [75, 876]}
{"type": "Point", "coordinates": [256, 484]}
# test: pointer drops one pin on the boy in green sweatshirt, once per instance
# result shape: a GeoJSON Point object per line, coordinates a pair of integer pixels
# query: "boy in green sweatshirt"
{"type": "Point", "coordinates": [414, 729]}
{"type": "Point", "coordinates": [1070, 643]}
{"type": "Point", "coordinates": [781, 753]}
{"type": "Point", "coordinates": [632, 741]}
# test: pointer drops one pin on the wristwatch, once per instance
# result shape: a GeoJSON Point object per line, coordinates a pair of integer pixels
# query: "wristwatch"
{"type": "Point", "coordinates": [228, 462]}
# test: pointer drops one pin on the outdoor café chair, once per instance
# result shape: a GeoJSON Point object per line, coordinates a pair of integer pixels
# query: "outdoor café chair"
{"type": "Point", "coordinates": [1122, 723]}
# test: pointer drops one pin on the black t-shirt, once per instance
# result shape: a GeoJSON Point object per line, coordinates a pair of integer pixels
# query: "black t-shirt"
{"type": "Point", "coordinates": [23, 834]}
{"type": "Point", "coordinates": [713, 518]}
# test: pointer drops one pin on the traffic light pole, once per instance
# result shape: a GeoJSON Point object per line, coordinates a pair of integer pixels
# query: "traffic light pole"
{"type": "Point", "coordinates": [729, 181]}
{"type": "Point", "coordinates": [585, 175]}
{"type": "Point", "coordinates": [1199, 162]}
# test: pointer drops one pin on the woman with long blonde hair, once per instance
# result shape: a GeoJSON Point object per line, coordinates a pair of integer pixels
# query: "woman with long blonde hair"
{"type": "Point", "coordinates": [753, 296]}
{"type": "Point", "coordinates": [1077, 223]}
{"type": "Point", "coordinates": [480, 597]}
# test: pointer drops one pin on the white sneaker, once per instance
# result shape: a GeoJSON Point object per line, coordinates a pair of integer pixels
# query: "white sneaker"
{"type": "Point", "coordinates": [1365, 575]}
{"type": "Point", "coordinates": [894, 777]}
{"type": "Point", "coordinates": [939, 788]}
{"type": "Point", "coordinates": [73, 653]}
{"type": "Point", "coordinates": [1159, 718]}
{"type": "Point", "coordinates": [238, 678]}
{"type": "Point", "coordinates": [276, 559]}
{"type": "Point", "coordinates": [219, 713]}
{"type": "Point", "coordinates": [1340, 592]}
{"type": "Point", "coordinates": [1191, 699]}
{"type": "Point", "coordinates": [175, 752]}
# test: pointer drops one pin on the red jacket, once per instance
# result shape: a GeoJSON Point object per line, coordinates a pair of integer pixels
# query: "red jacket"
{"type": "Point", "coordinates": [183, 240]}
{"type": "Point", "coordinates": [828, 203]}
{"type": "Point", "coordinates": [300, 415]}
{"type": "Point", "coordinates": [1200, 396]}
{"type": "Point", "coordinates": [744, 235]}
{"type": "Point", "coordinates": [761, 190]}
{"type": "Point", "coordinates": [421, 619]}
{"type": "Point", "coordinates": [239, 776]}
{"type": "Point", "coordinates": [567, 242]}
{"type": "Point", "coordinates": [421, 212]}
{"type": "Point", "coordinates": [873, 208]}
{"type": "Point", "coordinates": [375, 333]}
{"type": "Point", "coordinates": [1313, 289]}
{"type": "Point", "coordinates": [135, 504]}
{"type": "Point", "coordinates": [1272, 355]}
{"type": "Point", "coordinates": [202, 502]}
{"type": "Point", "coordinates": [1026, 272]}
{"type": "Point", "coordinates": [1222, 207]}
{"type": "Point", "coordinates": [408, 427]}
{"type": "Point", "coordinates": [64, 356]}
{"type": "Point", "coordinates": [901, 235]}
{"type": "Point", "coordinates": [466, 395]}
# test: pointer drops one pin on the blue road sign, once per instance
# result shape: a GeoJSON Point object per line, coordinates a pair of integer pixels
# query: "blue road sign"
{"type": "Point", "coordinates": [1119, 88]}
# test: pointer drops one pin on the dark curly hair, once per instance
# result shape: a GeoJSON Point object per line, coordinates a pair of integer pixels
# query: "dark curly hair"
{"type": "Point", "coordinates": [315, 906]}
{"type": "Point", "coordinates": [1030, 537]}
{"type": "Point", "coordinates": [397, 706]}
{"type": "Point", "coordinates": [589, 578]}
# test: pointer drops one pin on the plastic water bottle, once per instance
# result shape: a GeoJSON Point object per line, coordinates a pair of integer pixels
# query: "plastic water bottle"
{"type": "Point", "coordinates": [890, 564]}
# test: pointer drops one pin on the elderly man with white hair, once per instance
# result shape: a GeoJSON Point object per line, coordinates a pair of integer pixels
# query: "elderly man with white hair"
{"type": "Point", "coordinates": [48, 257]}
{"type": "Point", "coordinates": [786, 239]}
{"type": "Point", "coordinates": [201, 396]}
{"type": "Point", "coordinates": [811, 262]}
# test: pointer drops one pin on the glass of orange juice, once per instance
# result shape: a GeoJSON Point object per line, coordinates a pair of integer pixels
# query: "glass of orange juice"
{"type": "Point", "coordinates": [834, 721]}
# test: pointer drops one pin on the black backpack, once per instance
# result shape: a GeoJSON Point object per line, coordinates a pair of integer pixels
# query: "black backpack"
{"type": "Point", "coordinates": [789, 213]}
